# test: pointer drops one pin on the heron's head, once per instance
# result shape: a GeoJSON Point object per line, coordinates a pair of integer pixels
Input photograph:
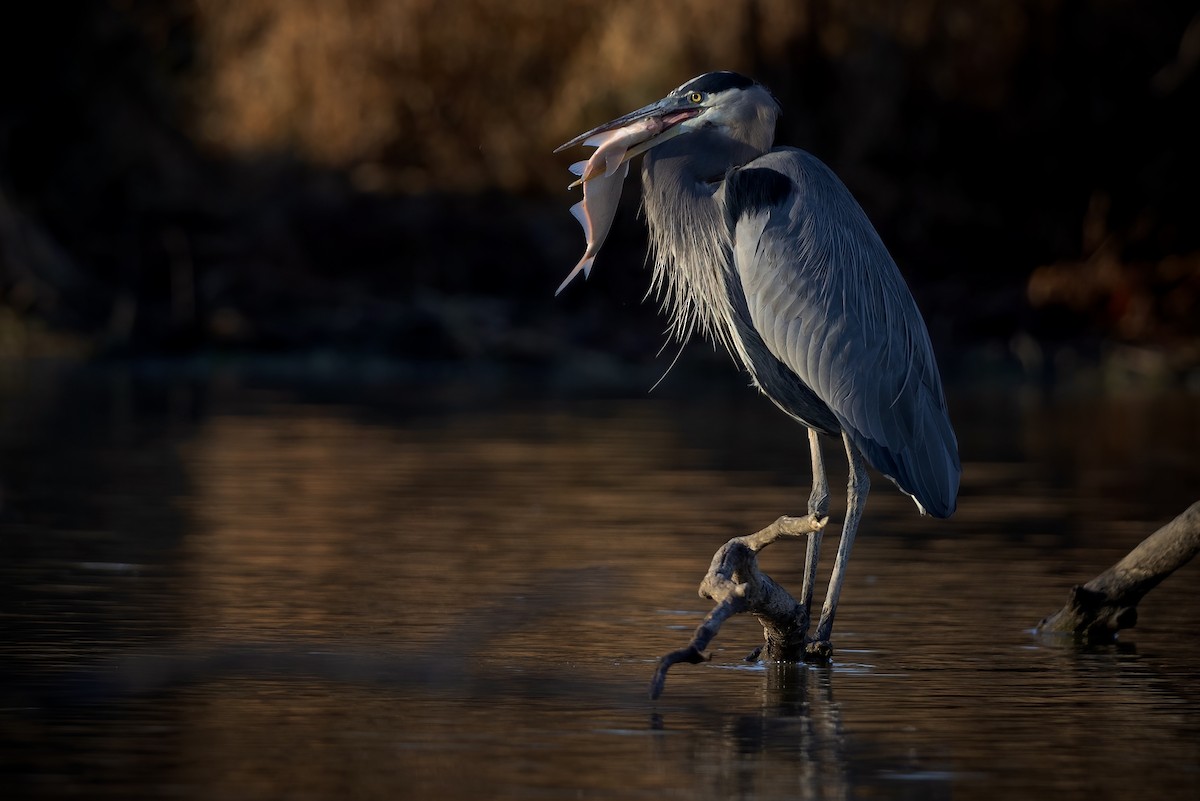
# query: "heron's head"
{"type": "Point", "coordinates": [724, 103]}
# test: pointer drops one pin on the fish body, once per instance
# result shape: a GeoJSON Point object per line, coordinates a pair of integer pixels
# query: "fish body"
{"type": "Point", "coordinates": [602, 177]}
{"type": "Point", "coordinates": [595, 214]}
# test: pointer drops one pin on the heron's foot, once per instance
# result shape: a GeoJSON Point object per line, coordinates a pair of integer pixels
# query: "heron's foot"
{"type": "Point", "coordinates": [818, 507]}
{"type": "Point", "coordinates": [818, 651]}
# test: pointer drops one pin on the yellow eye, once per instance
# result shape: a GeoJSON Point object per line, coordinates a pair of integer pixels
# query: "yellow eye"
{"type": "Point", "coordinates": [695, 97]}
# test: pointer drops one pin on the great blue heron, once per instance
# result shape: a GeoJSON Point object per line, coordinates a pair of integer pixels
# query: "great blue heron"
{"type": "Point", "coordinates": [765, 250]}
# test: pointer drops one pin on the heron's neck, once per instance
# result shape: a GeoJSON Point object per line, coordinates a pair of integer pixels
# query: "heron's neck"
{"type": "Point", "coordinates": [699, 157]}
{"type": "Point", "coordinates": [681, 183]}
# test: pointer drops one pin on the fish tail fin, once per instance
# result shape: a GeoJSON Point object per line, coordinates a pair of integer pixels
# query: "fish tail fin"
{"type": "Point", "coordinates": [584, 266]}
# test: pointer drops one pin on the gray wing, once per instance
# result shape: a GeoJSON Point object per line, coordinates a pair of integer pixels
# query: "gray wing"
{"type": "Point", "coordinates": [828, 302]}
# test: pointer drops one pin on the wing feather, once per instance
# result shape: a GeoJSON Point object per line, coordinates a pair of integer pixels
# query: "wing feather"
{"type": "Point", "coordinates": [828, 301]}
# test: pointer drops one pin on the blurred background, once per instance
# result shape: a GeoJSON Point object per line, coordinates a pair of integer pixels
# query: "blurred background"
{"type": "Point", "coordinates": [376, 178]}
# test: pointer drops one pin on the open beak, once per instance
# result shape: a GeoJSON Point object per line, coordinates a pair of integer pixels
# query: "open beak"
{"type": "Point", "coordinates": [635, 133]}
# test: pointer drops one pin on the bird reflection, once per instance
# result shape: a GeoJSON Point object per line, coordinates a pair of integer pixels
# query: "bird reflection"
{"type": "Point", "coordinates": [793, 744]}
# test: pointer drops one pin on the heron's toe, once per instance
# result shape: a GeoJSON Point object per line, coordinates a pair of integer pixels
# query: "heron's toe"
{"type": "Point", "coordinates": [818, 651]}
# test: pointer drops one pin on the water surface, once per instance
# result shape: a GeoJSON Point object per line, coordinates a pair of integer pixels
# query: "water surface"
{"type": "Point", "coordinates": [232, 585]}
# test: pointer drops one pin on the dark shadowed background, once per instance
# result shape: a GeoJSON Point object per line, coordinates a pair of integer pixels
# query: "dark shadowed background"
{"type": "Point", "coordinates": [200, 176]}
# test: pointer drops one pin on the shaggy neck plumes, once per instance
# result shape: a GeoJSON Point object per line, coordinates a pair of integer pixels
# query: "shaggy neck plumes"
{"type": "Point", "coordinates": [682, 184]}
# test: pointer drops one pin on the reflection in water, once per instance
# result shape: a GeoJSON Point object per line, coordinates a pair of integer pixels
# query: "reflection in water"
{"type": "Point", "coordinates": [254, 589]}
{"type": "Point", "coordinates": [796, 734]}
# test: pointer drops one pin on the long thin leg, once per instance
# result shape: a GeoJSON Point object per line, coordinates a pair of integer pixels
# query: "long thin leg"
{"type": "Point", "coordinates": [818, 500]}
{"type": "Point", "coordinates": [856, 497]}
{"type": "Point", "coordinates": [818, 508]}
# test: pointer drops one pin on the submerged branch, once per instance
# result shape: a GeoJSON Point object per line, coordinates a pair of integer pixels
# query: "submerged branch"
{"type": "Point", "coordinates": [735, 584]}
{"type": "Point", "coordinates": [1108, 603]}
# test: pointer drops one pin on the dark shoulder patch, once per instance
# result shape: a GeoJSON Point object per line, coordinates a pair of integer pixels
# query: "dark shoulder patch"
{"type": "Point", "coordinates": [712, 82]}
{"type": "Point", "coordinates": [754, 189]}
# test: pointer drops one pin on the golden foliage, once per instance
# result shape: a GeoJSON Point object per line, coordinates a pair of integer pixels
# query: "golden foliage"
{"type": "Point", "coordinates": [472, 94]}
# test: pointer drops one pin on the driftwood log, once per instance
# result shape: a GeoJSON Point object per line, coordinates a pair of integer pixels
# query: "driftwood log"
{"type": "Point", "coordinates": [1096, 611]}
{"type": "Point", "coordinates": [735, 584]}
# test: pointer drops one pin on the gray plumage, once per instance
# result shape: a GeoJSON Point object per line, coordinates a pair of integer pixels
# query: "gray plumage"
{"type": "Point", "coordinates": [804, 292]}
{"type": "Point", "coordinates": [766, 251]}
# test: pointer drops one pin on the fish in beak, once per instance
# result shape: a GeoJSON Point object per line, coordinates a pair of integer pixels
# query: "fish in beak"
{"type": "Point", "coordinates": [603, 175]}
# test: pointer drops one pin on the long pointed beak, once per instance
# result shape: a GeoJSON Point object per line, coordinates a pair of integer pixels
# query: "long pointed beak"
{"type": "Point", "coordinates": [655, 109]}
{"type": "Point", "coordinates": [643, 129]}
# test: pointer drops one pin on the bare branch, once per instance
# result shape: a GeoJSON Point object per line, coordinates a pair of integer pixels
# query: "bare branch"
{"type": "Point", "coordinates": [735, 584]}
{"type": "Point", "coordinates": [1108, 603]}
